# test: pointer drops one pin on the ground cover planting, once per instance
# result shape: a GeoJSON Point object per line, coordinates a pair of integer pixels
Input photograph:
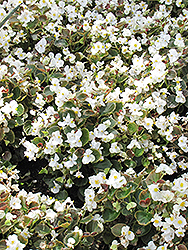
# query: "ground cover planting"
{"type": "Point", "coordinates": [93, 124]}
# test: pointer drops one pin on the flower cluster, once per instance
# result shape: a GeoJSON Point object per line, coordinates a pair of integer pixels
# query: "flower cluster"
{"type": "Point", "coordinates": [97, 89]}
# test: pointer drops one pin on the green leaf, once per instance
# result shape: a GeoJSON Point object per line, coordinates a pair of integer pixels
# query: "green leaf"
{"type": "Point", "coordinates": [62, 195]}
{"type": "Point", "coordinates": [138, 151]}
{"type": "Point", "coordinates": [61, 43]}
{"type": "Point", "coordinates": [110, 107]}
{"type": "Point", "coordinates": [94, 227]}
{"type": "Point", "coordinates": [143, 217]}
{"type": "Point", "coordinates": [69, 105]}
{"type": "Point", "coordinates": [82, 96]}
{"type": "Point", "coordinates": [37, 141]}
{"type": "Point", "coordinates": [116, 229]}
{"type": "Point", "coordinates": [144, 194]}
{"type": "Point", "coordinates": [80, 182]}
{"type": "Point", "coordinates": [88, 113]}
{"type": "Point", "coordinates": [53, 129]}
{"type": "Point", "coordinates": [130, 163]}
{"type": "Point", "coordinates": [97, 155]}
{"type": "Point", "coordinates": [112, 121]}
{"type": "Point", "coordinates": [9, 16]}
{"type": "Point", "coordinates": [125, 212]}
{"type": "Point", "coordinates": [110, 215]}
{"type": "Point", "coordinates": [43, 171]}
{"type": "Point", "coordinates": [20, 109]}
{"type": "Point", "coordinates": [75, 235]}
{"type": "Point", "coordinates": [10, 136]}
{"type": "Point", "coordinates": [42, 228]}
{"type": "Point", "coordinates": [85, 136]}
{"type": "Point", "coordinates": [103, 164]}
{"type": "Point", "coordinates": [47, 91]}
{"type": "Point", "coordinates": [153, 177]}
{"type": "Point", "coordinates": [3, 245]}
{"type": "Point", "coordinates": [141, 230]}
{"type": "Point", "coordinates": [145, 162]}
{"type": "Point", "coordinates": [171, 103]}
{"type": "Point", "coordinates": [16, 93]}
{"type": "Point", "coordinates": [86, 219]}
{"type": "Point", "coordinates": [146, 137]}
{"type": "Point", "coordinates": [113, 52]}
{"type": "Point", "coordinates": [2, 134]}
{"type": "Point", "coordinates": [123, 193]}
{"type": "Point", "coordinates": [132, 128]}
{"type": "Point", "coordinates": [100, 197]}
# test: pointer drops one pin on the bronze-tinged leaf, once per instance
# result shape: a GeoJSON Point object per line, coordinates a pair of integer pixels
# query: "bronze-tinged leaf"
{"type": "Point", "coordinates": [145, 203]}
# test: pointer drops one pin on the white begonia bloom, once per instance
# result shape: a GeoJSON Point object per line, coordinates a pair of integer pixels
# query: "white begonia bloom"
{"type": "Point", "coordinates": [71, 162]}
{"type": "Point", "coordinates": [150, 246]}
{"type": "Point", "coordinates": [148, 123]}
{"type": "Point", "coordinates": [180, 98]}
{"type": "Point", "coordinates": [50, 215]}
{"type": "Point", "coordinates": [13, 243]}
{"type": "Point", "coordinates": [168, 234]}
{"type": "Point", "coordinates": [182, 141]}
{"type": "Point", "coordinates": [179, 42]}
{"type": "Point", "coordinates": [89, 199]}
{"type": "Point", "coordinates": [114, 148]}
{"type": "Point", "coordinates": [154, 191]}
{"type": "Point", "coordinates": [179, 222]}
{"type": "Point", "coordinates": [97, 180]}
{"type": "Point", "coordinates": [115, 179]}
{"type": "Point", "coordinates": [41, 45]}
{"type": "Point", "coordinates": [70, 243]}
{"type": "Point", "coordinates": [164, 247]}
{"type": "Point", "coordinates": [68, 121]}
{"type": "Point", "coordinates": [88, 156]}
{"type": "Point", "coordinates": [31, 150]}
{"type": "Point", "coordinates": [170, 219]}
{"type": "Point", "coordinates": [180, 232]}
{"type": "Point", "coordinates": [10, 107]}
{"type": "Point", "coordinates": [164, 168]}
{"type": "Point", "coordinates": [15, 203]}
{"type": "Point", "coordinates": [55, 189]}
{"type": "Point", "coordinates": [56, 138]}
{"type": "Point", "coordinates": [156, 220]}
{"type": "Point", "coordinates": [166, 196]}
{"type": "Point", "coordinates": [25, 233]}
{"type": "Point", "coordinates": [134, 45]}
{"type": "Point", "coordinates": [126, 233]}
{"type": "Point", "coordinates": [173, 55]}
{"type": "Point", "coordinates": [39, 100]}
{"type": "Point", "coordinates": [180, 185]}
{"type": "Point", "coordinates": [73, 138]}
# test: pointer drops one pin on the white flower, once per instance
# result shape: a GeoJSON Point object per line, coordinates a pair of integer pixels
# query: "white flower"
{"type": "Point", "coordinates": [156, 220]}
{"type": "Point", "coordinates": [55, 189]}
{"type": "Point", "coordinates": [41, 45]}
{"type": "Point", "coordinates": [73, 138]}
{"type": "Point", "coordinates": [88, 156]}
{"type": "Point", "coordinates": [50, 215]}
{"type": "Point", "coordinates": [114, 148]}
{"type": "Point", "coordinates": [126, 233]}
{"type": "Point", "coordinates": [15, 203]}
{"type": "Point", "coordinates": [164, 168]}
{"type": "Point", "coordinates": [179, 222]}
{"type": "Point", "coordinates": [97, 180]}
{"type": "Point", "coordinates": [68, 121]}
{"type": "Point", "coordinates": [13, 243]}
{"type": "Point", "coordinates": [70, 243]}
{"type": "Point", "coordinates": [115, 179]}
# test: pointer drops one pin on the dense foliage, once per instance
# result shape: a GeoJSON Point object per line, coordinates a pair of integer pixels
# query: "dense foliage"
{"type": "Point", "coordinates": [94, 95]}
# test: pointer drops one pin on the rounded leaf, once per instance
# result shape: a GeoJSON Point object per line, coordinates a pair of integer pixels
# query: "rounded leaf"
{"type": "Point", "coordinates": [143, 217]}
